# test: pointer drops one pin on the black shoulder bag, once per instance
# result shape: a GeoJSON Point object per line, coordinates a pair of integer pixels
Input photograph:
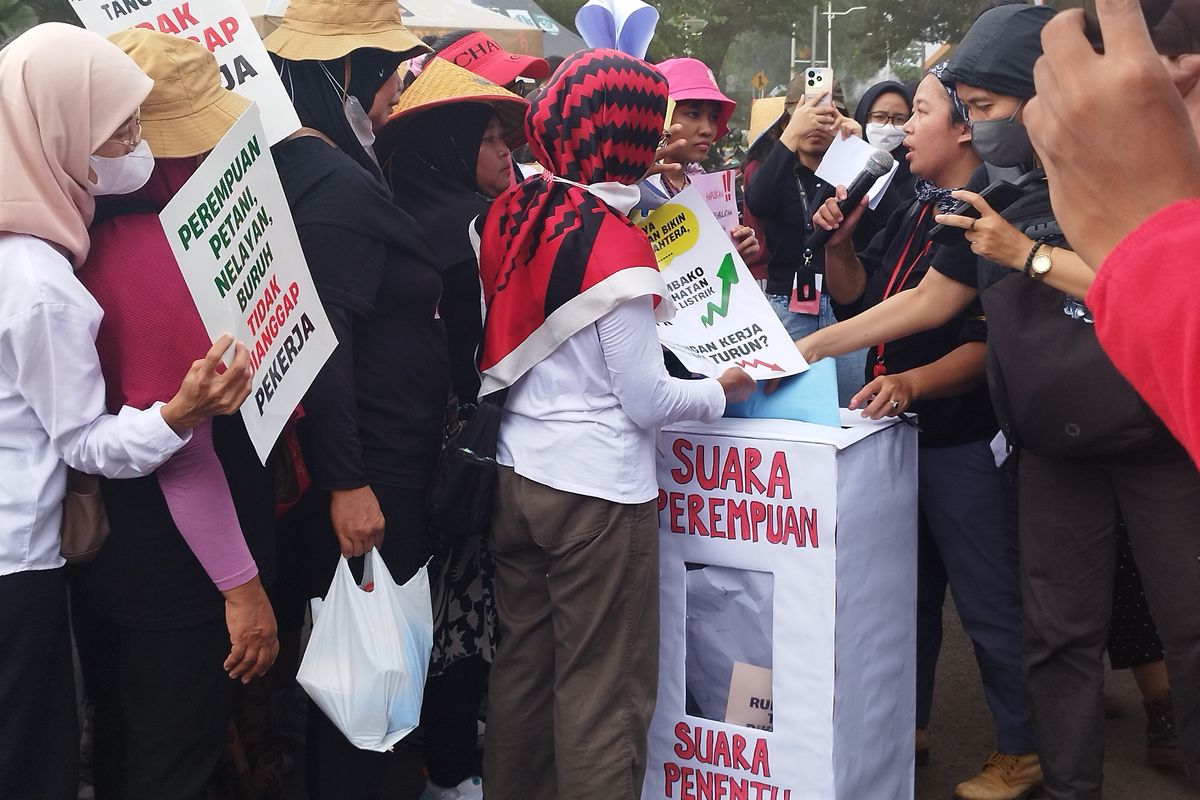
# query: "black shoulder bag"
{"type": "Point", "coordinates": [464, 481]}
{"type": "Point", "coordinates": [1055, 392]}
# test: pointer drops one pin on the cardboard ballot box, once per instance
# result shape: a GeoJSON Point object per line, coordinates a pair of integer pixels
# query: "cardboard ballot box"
{"type": "Point", "coordinates": [794, 544]}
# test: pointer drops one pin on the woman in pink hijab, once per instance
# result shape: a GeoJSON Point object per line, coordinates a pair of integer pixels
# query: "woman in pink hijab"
{"type": "Point", "coordinates": [69, 130]}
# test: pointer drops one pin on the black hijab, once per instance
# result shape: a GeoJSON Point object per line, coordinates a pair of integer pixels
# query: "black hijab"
{"type": "Point", "coordinates": [874, 93]}
{"type": "Point", "coordinates": [320, 104]}
{"type": "Point", "coordinates": [429, 161]}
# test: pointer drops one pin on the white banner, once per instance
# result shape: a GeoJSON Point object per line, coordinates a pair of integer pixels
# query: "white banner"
{"type": "Point", "coordinates": [723, 319]}
{"type": "Point", "coordinates": [232, 233]}
{"type": "Point", "coordinates": [224, 27]}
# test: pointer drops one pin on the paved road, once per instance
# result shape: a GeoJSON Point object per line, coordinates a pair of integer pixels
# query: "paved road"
{"type": "Point", "coordinates": [962, 738]}
{"type": "Point", "coordinates": [962, 734]}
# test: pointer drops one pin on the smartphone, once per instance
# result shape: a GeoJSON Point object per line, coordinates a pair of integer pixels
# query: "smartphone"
{"type": "Point", "coordinates": [818, 84]}
{"type": "Point", "coordinates": [1152, 10]}
{"type": "Point", "coordinates": [1000, 195]}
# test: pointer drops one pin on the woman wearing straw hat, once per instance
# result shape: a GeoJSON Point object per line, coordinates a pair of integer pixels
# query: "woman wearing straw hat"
{"type": "Point", "coordinates": [173, 606]}
{"type": "Point", "coordinates": [70, 132]}
{"type": "Point", "coordinates": [375, 414]}
{"type": "Point", "coordinates": [446, 154]}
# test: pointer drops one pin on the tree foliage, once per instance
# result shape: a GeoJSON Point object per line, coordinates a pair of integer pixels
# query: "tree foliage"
{"type": "Point", "coordinates": [868, 37]}
{"type": "Point", "coordinates": [885, 32]}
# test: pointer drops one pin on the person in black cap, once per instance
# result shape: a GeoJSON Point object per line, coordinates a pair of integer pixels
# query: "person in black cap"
{"type": "Point", "coordinates": [1089, 450]}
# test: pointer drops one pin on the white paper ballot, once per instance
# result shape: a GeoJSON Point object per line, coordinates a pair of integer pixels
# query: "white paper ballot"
{"type": "Point", "coordinates": [845, 160]}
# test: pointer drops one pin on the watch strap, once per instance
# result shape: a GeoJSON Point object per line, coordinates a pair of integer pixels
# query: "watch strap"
{"type": "Point", "coordinates": [1033, 251]}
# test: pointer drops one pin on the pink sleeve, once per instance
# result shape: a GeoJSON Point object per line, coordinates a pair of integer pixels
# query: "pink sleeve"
{"type": "Point", "coordinates": [193, 483]}
{"type": "Point", "coordinates": [1144, 300]}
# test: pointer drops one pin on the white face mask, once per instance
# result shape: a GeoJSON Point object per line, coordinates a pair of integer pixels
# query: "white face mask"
{"type": "Point", "coordinates": [123, 174]}
{"type": "Point", "coordinates": [357, 117]}
{"type": "Point", "coordinates": [884, 137]}
{"type": "Point", "coordinates": [620, 196]}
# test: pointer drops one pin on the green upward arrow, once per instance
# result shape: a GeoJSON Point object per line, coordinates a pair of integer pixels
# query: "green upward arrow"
{"type": "Point", "coordinates": [729, 276]}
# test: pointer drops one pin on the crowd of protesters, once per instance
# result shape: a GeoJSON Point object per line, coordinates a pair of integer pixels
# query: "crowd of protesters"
{"type": "Point", "coordinates": [1048, 347]}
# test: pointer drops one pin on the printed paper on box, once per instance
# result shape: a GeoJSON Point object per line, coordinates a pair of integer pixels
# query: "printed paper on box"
{"type": "Point", "coordinates": [749, 697]}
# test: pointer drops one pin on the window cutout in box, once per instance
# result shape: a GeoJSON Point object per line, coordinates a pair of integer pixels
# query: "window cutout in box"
{"type": "Point", "coordinates": [729, 647]}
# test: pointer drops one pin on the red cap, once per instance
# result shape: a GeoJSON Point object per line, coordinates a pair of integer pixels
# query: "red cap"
{"type": "Point", "coordinates": [480, 54]}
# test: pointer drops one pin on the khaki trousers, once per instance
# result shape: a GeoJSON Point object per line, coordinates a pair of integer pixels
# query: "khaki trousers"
{"type": "Point", "coordinates": [574, 681]}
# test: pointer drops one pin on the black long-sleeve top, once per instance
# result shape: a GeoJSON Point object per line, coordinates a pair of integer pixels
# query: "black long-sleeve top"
{"type": "Point", "coordinates": [375, 412]}
{"type": "Point", "coordinates": [784, 194]}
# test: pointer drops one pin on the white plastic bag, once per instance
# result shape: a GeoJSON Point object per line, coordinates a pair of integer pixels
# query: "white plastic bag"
{"type": "Point", "coordinates": [368, 655]}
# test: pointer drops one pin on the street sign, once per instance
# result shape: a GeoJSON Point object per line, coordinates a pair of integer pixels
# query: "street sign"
{"type": "Point", "coordinates": [759, 81]}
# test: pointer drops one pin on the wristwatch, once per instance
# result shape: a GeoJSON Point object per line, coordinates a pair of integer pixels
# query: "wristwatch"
{"type": "Point", "coordinates": [1039, 262]}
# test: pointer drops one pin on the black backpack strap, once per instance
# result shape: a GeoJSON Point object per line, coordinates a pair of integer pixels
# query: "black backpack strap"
{"type": "Point", "coordinates": [120, 205]}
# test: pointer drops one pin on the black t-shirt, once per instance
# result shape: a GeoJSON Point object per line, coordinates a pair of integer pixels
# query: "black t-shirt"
{"type": "Point", "coordinates": [145, 576]}
{"type": "Point", "coordinates": [898, 256]}
{"type": "Point", "coordinates": [960, 263]}
{"type": "Point", "coordinates": [376, 412]}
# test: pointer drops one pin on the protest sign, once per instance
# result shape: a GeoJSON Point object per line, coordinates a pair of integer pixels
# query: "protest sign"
{"type": "Point", "coordinates": [722, 318]}
{"type": "Point", "coordinates": [232, 233]}
{"type": "Point", "coordinates": [832, 716]}
{"type": "Point", "coordinates": [720, 194]}
{"type": "Point", "coordinates": [224, 27]}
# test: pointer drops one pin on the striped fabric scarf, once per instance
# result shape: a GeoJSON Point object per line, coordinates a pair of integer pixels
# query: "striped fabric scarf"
{"type": "Point", "coordinates": [553, 257]}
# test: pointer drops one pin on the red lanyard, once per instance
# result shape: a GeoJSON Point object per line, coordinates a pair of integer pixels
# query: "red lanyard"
{"type": "Point", "coordinates": [880, 367]}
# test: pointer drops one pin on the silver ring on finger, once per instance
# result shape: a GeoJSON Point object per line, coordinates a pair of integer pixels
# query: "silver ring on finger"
{"type": "Point", "coordinates": [895, 405]}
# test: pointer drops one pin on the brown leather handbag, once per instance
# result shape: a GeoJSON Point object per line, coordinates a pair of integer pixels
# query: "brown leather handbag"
{"type": "Point", "coordinates": [84, 520]}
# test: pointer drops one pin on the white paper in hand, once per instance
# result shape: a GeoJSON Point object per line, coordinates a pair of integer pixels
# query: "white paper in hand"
{"type": "Point", "coordinates": [368, 655]}
{"type": "Point", "coordinates": [846, 159]}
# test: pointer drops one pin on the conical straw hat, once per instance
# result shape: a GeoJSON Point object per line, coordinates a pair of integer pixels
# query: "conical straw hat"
{"type": "Point", "coordinates": [442, 83]}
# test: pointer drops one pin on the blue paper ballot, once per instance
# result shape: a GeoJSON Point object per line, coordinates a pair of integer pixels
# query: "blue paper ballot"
{"type": "Point", "coordinates": [808, 397]}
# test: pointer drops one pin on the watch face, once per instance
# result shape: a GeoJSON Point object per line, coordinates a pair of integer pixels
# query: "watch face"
{"type": "Point", "coordinates": [1041, 265]}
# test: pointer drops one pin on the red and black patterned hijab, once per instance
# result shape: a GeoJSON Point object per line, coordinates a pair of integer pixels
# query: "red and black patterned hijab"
{"type": "Point", "coordinates": [553, 257]}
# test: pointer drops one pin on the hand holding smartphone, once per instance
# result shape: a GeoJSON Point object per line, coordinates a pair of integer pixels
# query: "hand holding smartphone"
{"type": "Point", "coordinates": [818, 86]}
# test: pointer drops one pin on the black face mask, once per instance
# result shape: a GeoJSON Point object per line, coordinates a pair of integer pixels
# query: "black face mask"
{"type": "Point", "coordinates": [1002, 142]}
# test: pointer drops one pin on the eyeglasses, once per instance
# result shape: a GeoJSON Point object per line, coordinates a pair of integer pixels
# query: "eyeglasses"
{"type": "Point", "coordinates": [884, 118]}
{"type": "Point", "coordinates": [130, 134]}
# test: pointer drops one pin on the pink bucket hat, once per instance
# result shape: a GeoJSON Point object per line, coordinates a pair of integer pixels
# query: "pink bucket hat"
{"type": "Point", "coordinates": [691, 79]}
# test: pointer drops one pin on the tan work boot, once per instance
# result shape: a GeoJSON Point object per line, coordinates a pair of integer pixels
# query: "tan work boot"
{"type": "Point", "coordinates": [922, 746]}
{"type": "Point", "coordinates": [1004, 777]}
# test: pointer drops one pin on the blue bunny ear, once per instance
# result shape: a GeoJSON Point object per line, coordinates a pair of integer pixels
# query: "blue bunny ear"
{"type": "Point", "coordinates": [625, 25]}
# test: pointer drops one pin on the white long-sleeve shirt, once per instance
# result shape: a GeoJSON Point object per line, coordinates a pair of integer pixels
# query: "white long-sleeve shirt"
{"type": "Point", "coordinates": [583, 420]}
{"type": "Point", "coordinates": [52, 410]}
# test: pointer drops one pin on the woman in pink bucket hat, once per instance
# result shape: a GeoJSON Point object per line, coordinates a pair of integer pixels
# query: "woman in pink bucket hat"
{"type": "Point", "coordinates": [697, 118]}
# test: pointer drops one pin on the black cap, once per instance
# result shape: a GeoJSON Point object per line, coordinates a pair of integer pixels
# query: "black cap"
{"type": "Point", "coordinates": [999, 51]}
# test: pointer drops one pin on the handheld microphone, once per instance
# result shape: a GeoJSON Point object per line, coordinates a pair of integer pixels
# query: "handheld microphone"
{"type": "Point", "coordinates": [878, 165]}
